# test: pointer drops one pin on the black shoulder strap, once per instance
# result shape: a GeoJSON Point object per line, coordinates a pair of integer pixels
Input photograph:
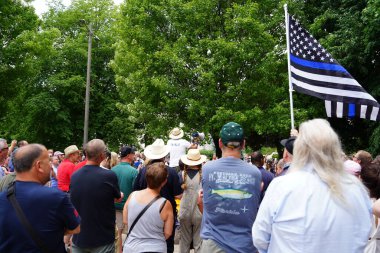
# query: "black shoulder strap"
{"type": "Point", "coordinates": [140, 214]}
{"type": "Point", "coordinates": [20, 214]}
{"type": "Point", "coordinates": [163, 205]}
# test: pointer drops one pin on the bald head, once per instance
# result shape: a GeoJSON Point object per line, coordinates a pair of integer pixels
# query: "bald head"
{"type": "Point", "coordinates": [95, 150]}
{"type": "Point", "coordinates": [25, 157]}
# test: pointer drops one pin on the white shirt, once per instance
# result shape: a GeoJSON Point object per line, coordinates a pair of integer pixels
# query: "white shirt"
{"type": "Point", "coordinates": [177, 149]}
{"type": "Point", "coordinates": [299, 214]}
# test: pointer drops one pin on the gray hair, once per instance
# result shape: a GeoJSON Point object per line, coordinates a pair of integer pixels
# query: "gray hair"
{"type": "Point", "coordinates": [95, 148]}
{"type": "Point", "coordinates": [319, 145]}
{"type": "Point", "coordinates": [2, 143]}
{"type": "Point", "coordinates": [25, 157]}
{"type": "Point", "coordinates": [233, 144]}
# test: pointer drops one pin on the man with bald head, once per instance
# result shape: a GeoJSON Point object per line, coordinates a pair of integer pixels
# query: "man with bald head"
{"type": "Point", "coordinates": [93, 191]}
{"type": "Point", "coordinates": [48, 210]}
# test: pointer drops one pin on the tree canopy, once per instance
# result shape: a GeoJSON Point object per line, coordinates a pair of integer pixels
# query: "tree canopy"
{"type": "Point", "coordinates": [157, 64]}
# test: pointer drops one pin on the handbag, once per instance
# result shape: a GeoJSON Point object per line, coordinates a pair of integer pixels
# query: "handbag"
{"type": "Point", "coordinates": [372, 244]}
{"type": "Point", "coordinates": [139, 216]}
{"type": "Point", "coordinates": [21, 216]}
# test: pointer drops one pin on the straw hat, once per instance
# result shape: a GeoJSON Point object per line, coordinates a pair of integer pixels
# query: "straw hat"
{"type": "Point", "coordinates": [71, 149]}
{"type": "Point", "coordinates": [157, 150]}
{"type": "Point", "coordinates": [193, 157]}
{"type": "Point", "coordinates": [176, 133]}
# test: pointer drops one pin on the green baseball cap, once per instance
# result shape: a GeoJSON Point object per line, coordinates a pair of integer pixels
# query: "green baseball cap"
{"type": "Point", "coordinates": [231, 132]}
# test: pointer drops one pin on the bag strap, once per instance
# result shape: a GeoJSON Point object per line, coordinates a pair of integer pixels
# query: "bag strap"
{"type": "Point", "coordinates": [20, 214]}
{"type": "Point", "coordinates": [139, 216]}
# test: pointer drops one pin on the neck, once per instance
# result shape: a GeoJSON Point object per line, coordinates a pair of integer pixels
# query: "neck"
{"type": "Point", "coordinates": [227, 152]}
{"type": "Point", "coordinates": [153, 191]}
{"type": "Point", "coordinates": [26, 177]}
{"type": "Point", "coordinates": [125, 160]}
{"type": "Point", "coordinates": [92, 163]}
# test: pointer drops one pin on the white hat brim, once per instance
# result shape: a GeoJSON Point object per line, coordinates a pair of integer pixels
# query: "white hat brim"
{"type": "Point", "coordinates": [188, 162]}
{"type": "Point", "coordinates": [176, 137]}
{"type": "Point", "coordinates": [149, 155]}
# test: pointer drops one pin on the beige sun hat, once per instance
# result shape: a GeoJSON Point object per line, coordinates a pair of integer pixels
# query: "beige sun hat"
{"type": "Point", "coordinates": [176, 133]}
{"type": "Point", "coordinates": [71, 149]}
{"type": "Point", "coordinates": [157, 150]}
{"type": "Point", "coordinates": [193, 157]}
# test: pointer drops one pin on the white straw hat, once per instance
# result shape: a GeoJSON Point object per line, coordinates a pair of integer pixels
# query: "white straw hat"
{"type": "Point", "coordinates": [157, 150]}
{"type": "Point", "coordinates": [193, 158]}
{"type": "Point", "coordinates": [176, 133]}
{"type": "Point", "coordinates": [71, 149]}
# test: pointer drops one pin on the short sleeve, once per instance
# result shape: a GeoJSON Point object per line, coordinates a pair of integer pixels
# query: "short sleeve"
{"type": "Point", "coordinates": [115, 184]}
{"type": "Point", "coordinates": [69, 214]}
{"type": "Point", "coordinates": [140, 182]}
{"type": "Point", "coordinates": [186, 143]}
{"type": "Point", "coordinates": [177, 190]}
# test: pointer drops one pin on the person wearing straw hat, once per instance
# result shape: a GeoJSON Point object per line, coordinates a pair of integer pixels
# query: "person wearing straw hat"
{"type": "Point", "coordinates": [178, 147]}
{"type": "Point", "coordinates": [67, 167]}
{"type": "Point", "coordinates": [190, 216]}
{"type": "Point", "coordinates": [171, 190]}
{"type": "Point", "coordinates": [231, 195]}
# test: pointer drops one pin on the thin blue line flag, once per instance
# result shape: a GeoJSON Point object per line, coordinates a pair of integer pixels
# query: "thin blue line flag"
{"type": "Point", "coordinates": [316, 73]}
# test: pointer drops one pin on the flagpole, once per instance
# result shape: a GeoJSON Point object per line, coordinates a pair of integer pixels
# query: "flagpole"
{"type": "Point", "coordinates": [289, 75]}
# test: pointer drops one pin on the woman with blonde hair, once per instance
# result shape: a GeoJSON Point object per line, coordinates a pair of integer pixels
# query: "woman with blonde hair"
{"type": "Point", "coordinates": [190, 217]}
{"type": "Point", "coordinates": [317, 206]}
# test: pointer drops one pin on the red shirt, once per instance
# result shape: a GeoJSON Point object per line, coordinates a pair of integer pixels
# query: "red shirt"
{"type": "Point", "coordinates": [65, 170]}
{"type": "Point", "coordinates": [80, 165]}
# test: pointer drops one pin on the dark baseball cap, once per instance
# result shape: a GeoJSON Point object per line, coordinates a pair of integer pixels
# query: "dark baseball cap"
{"type": "Point", "coordinates": [231, 132]}
{"type": "Point", "coordinates": [126, 150]}
{"type": "Point", "coordinates": [288, 144]}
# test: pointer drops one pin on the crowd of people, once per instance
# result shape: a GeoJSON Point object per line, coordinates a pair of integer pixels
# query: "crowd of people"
{"type": "Point", "coordinates": [314, 199]}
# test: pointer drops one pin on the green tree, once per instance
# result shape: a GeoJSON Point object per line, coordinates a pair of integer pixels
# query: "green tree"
{"type": "Point", "coordinates": [203, 63]}
{"type": "Point", "coordinates": [49, 107]}
{"type": "Point", "coordinates": [15, 18]}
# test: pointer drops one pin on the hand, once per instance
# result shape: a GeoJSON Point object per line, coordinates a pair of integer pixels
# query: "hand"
{"type": "Point", "coordinates": [14, 143]}
{"type": "Point", "coordinates": [121, 197]}
{"type": "Point", "coordinates": [294, 132]}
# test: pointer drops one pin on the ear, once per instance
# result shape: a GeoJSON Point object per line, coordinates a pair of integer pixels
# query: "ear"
{"type": "Point", "coordinates": [220, 143]}
{"type": "Point", "coordinates": [37, 166]}
{"type": "Point", "coordinates": [243, 145]}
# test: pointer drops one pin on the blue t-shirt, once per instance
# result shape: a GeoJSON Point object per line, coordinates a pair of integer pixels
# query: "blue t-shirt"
{"type": "Point", "coordinates": [267, 179]}
{"type": "Point", "coordinates": [231, 195]}
{"type": "Point", "coordinates": [48, 210]}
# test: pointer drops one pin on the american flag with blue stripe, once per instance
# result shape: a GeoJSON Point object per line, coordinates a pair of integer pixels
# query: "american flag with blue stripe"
{"type": "Point", "coordinates": [316, 73]}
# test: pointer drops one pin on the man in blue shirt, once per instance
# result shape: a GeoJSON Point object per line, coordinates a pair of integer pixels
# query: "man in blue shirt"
{"type": "Point", "coordinates": [231, 196]}
{"type": "Point", "coordinates": [48, 210]}
{"type": "Point", "coordinates": [257, 159]}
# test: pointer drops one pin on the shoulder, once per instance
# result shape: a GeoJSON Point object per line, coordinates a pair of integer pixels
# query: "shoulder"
{"type": "Point", "coordinates": [41, 192]}
{"type": "Point", "coordinates": [185, 142]}
{"type": "Point", "coordinates": [107, 172]}
{"type": "Point", "coordinates": [295, 181]}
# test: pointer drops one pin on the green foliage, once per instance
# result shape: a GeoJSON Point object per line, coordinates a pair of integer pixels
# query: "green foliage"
{"type": "Point", "coordinates": [208, 153]}
{"type": "Point", "coordinates": [202, 63]}
{"type": "Point", "coordinates": [159, 63]}
{"type": "Point", "coordinates": [50, 65]}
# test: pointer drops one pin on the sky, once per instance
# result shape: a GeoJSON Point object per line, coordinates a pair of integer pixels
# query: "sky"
{"type": "Point", "coordinates": [41, 5]}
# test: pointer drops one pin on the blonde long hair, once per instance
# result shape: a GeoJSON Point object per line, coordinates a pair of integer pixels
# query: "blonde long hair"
{"type": "Point", "coordinates": [319, 145]}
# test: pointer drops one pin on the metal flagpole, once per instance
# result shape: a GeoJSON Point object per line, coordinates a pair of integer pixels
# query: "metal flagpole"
{"type": "Point", "coordinates": [289, 75]}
